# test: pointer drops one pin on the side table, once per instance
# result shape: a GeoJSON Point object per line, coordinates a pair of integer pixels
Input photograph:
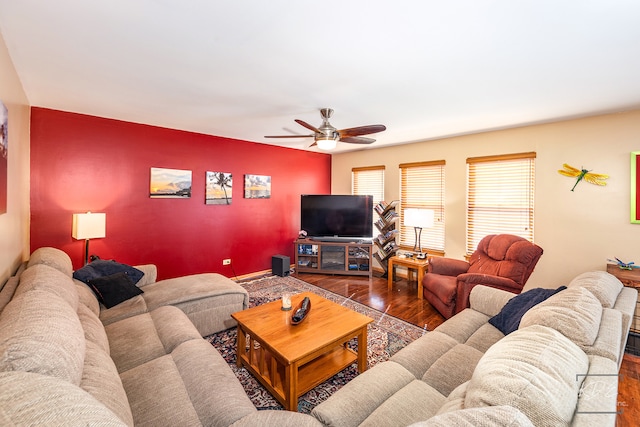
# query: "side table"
{"type": "Point", "coordinates": [420, 265]}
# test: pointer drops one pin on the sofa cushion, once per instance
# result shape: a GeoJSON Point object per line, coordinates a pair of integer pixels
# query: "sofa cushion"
{"type": "Point", "coordinates": [39, 332]}
{"type": "Point", "coordinates": [139, 339]}
{"type": "Point", "coordinates": [423, 352]}
{"type": "Point", "coordinates": [575, 313]}
{"type": "Point", "coordinates": [29, 399]}
{"type": "Point", "coordinates": [93, 329]}
{"type": "Point", "coordinates": [194, 378]}
{"type": "Point", "coordinates": [131, 307]}
{"type": "Point", "coordinates": [536, 370]}
{"type": "Point", "coordinates": [114, 289]}
{"type": "Point", "coordinates": [455, 400]}
{"type": "Point", "coordinates": [47, 278]}
{"type": "Point", "coordinates": [350, 406]}
{"type": "Point", "coordinates": [87, 297]}
{"type": "Point", "coordinates": [455, 367]}
{"type": "Point", "coordinates": [7, 291]}
{"type": "Point", "coordinates": [414, 402]}
{"type": "Point", "coordinates": [101, 380]}
{"type": "Point", "coordinates": [496, 416]}
{"type": "Point", "coordinates": [101, 267]}
{"type": "Point", "coordinates": [53, 258]}
{"type": "Point", "coordinates": [601, 284]}
{"type": "Point", "coordinates": [509, 317]}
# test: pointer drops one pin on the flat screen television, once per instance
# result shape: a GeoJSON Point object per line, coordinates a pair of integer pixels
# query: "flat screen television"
{"type": "Point", "coordinates": [336, 217]}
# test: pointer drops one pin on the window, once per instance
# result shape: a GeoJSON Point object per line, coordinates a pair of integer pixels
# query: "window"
{"type": "Point", "coordinates": [368, 181]}
{"type": "Point", "coordinates": [499, 196]}
{"type": "Point", "coordinates": [422, 186]}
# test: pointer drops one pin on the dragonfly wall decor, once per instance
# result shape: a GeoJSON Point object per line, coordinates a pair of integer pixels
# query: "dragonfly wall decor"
{"type": "Point", "coordinates": [580, 174]}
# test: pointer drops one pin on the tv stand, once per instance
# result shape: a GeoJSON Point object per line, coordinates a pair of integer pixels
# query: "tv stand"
{"type": "Point", "coordinates": [351, 258]}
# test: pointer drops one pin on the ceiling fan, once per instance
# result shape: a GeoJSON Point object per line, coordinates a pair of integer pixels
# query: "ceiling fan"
{"type": "Point", "coordinates": [326, 136]}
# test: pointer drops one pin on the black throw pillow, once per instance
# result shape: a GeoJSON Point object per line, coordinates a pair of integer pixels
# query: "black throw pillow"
{"type": "Point", "coordinates": [509, 317]}
{"type": "Point", "coordinates": [114, 289]}
{"type": "Point", "coordinates": [100, 268]}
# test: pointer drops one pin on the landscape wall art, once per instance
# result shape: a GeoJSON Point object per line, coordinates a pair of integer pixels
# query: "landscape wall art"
{"type": "Point", "coordinates": [257, 186]}
{"type": "Point", "coordinates": [218, 188]}
{"type": "Point", "coordinates": [170, 183]}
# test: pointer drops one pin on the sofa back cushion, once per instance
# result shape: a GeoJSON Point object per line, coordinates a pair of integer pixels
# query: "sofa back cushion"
{"type": "Point", "coordinates": [535, 370]}
{"type": "Point", "coordinates": [48, 279]}
{"type": "Point", "coordinates": [41, 333]}
{"type": "Point", "coordinates": [601, 284]}
{"type": "Point", "coordinates": [574, 312]}
{"type": "Point", "coordinates": [52, 257]}
{"type": "Point", "coordinates": [101, 380]}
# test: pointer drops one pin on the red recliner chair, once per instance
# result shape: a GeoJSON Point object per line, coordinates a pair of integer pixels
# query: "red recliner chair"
{"type": "Point", "coordinates": [502, 261]}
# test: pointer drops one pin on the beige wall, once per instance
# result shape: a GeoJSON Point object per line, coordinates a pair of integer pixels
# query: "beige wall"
{"type": "Point", "coordinates": [14, 225]}
{"type": "Point", "coordinates": [578, 230]}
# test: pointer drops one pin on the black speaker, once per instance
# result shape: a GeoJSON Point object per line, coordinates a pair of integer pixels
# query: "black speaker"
{"type": "Point", "coordinates": [280, 265]}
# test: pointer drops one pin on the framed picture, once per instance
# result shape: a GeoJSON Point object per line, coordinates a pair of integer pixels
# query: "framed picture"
{"type": "Point", "coordinates": [257, 186]}
{"type": "Point", "coordinates": [635, 187]}
{"type": "Point", "coordinates": [4, 156]}
{"type": "Point", "coordinates": [218, 188]}
{"type": "Point", "coordinates": [170, 184]}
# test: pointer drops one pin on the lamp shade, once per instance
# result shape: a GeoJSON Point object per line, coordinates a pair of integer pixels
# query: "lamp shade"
{"type": "Point", "coordinates": [89, 225]}
{"type": "Point", "coordinates": [422, 218]}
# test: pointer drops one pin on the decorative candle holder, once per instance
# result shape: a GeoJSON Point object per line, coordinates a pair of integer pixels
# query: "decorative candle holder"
{"type": "Point", "coordinates": [286, 302]}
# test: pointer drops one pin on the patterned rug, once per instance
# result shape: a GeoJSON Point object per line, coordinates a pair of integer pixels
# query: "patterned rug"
{"type": "Point", "coordinates": [386, 335]}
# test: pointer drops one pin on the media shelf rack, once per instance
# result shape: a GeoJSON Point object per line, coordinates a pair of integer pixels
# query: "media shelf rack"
{"type": "Point", "coordinates": [349, 258]}
{"type": "Point", "coordinates": [386, 240]}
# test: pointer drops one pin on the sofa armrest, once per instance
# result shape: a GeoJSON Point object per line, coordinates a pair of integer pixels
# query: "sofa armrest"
{"type": "Point", "coordinates": [150, 274]}
{"type": "Point", "coordinates": [466, 282]}
{"type": "Point", "coordinates": [489, 300]}
{"type": "Point", "coordinates": [447, 266]}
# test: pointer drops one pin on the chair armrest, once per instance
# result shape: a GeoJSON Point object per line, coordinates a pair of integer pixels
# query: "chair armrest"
{"type": "Point", "coordinates": [447, 266]}
{"type": "Point", "coordinates": [150, 274]}
{"type": "Point", "coordinates": [489, 280]}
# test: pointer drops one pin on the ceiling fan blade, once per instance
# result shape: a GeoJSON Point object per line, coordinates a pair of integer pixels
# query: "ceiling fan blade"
{"type": "Point", "coordinates": [314, 144]}
{"type": "Point", "coordinates": [307, 125]}
{"type": "Point", "coordinates": [288, 136]}
{"type": "Point", "coordinates": [362, 130]}
{"type": "Point", "coordinates": [357, 140]}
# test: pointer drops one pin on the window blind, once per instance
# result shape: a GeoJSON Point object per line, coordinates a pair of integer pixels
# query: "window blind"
{"type": "Point", "coordinates": [422, 186]}
{"type": "Point", "coordinates": [500, 193]}
{"type": "Point", "coordinates": [368, 181]}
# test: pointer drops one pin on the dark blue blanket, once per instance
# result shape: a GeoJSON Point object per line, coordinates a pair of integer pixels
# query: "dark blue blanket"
{"type": "Point", "coordinates": [102, 268]}
{"type": "Point", "coordinates": [509, 317]}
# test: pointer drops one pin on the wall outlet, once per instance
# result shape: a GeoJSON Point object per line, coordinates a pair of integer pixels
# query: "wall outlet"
{"type": "Point", "coordinates": [226, 261]}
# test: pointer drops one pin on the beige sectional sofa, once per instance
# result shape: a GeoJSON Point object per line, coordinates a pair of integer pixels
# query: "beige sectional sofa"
{"type": "Point", "coordinates": [65, 360]}
{"type": "Point", "coordinates": [558, 368]}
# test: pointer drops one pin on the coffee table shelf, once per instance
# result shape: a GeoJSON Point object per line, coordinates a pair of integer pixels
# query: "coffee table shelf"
{"type": "Point", "coordinates": [272, 375]}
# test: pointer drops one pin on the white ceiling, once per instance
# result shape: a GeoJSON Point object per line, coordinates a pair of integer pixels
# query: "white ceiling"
{"type": "Point", "coordinates": [247, 68]}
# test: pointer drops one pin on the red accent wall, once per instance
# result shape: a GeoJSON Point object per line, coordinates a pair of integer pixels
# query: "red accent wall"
{"type": "Point", "coordinates": [82, 163]}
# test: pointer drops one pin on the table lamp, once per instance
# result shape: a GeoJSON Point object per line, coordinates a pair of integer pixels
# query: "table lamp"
{"type": "Point", "coordinates": [418, 219]}
{"type": "Point", "coordinates": [88, 226]}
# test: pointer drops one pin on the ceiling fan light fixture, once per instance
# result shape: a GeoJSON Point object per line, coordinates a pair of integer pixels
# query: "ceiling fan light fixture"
{"type": "Point", "coordinates": [327, 142]}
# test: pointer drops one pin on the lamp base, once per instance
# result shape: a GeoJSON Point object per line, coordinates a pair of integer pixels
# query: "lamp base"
{"type": "Point", "coordinates": [86, 251]}
{"type": "Point", "coordinates": [417, 247]}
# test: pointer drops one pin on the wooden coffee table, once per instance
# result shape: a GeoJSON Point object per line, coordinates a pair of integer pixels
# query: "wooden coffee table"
{"type": "Point", "coordinates": [290, 360]}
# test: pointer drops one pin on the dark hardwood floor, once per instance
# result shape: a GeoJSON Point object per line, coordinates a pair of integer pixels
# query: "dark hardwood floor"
{"type": "Point", "coordinates": [402, 302]}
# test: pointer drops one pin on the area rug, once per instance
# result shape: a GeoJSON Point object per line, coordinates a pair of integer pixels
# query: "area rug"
{"type": "Point", "coordinates": [386, 335]}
